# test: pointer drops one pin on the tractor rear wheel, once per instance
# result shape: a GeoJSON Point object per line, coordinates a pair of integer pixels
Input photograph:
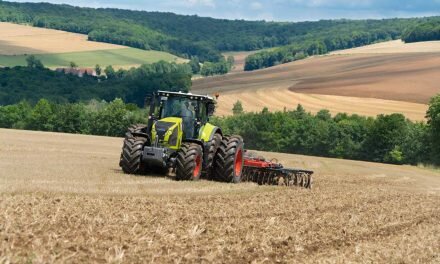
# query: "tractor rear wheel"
{"type": "Point", "coordinates": [213, 147]}
{"type": "Point", "coordinates": [189, 162]}
{"type": "Point", "coordinates": [228, 166]}
{"type": "Point", "coordinates": [131, 156]}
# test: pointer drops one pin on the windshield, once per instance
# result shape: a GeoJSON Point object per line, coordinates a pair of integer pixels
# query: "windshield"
{"type": "Point", "coordinates": [179, 107]}
{"type": "Point", "coordinates": [184, 108]}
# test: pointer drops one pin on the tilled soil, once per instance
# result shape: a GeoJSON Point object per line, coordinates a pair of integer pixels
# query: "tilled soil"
{"type": "Point", "coordinates": [374, 84]}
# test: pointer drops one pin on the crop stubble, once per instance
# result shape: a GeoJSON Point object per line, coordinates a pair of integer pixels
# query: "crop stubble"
{"type": "Point", "coordinates": [64, 199]}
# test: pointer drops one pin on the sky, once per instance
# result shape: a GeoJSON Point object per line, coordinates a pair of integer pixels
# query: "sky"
{"type": "Point", "coordinates": [275, 10]}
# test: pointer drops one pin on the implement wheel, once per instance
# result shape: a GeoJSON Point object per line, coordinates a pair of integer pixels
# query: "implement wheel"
{"type": "Point", "coordinates": [229, 160]}
{"type": "Point", "coordinates": [189, 162]}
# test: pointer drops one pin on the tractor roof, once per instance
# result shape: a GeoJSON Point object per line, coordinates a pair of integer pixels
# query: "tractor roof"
{"type": "Point", "coordinates": [186, 95]}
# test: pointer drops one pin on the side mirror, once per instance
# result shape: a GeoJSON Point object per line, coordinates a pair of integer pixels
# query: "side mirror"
{"type": "Point", "coordinates": [211, 109]}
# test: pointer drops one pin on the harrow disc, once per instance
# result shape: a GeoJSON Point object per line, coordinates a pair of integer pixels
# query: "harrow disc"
{"type": "Point", "coordinates": [281, 177]}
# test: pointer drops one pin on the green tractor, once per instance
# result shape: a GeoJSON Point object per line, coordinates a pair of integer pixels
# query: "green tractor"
{"type": "Point", "coordinates": [179, 140]}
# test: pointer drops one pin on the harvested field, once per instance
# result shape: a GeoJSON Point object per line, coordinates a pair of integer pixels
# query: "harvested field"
{"type": "Point", "coordinates": [20, 39]}
{"type": "Point", "coordinates": [64, 199]}
{"type": "Point", "coordinates": [57, 48]}
{"type": "Point", "coordinates": [278, 98]}
{"type": "Point", "coordinates": [395, 79]}
{"type": "Point", "coordinates": [392, 47]}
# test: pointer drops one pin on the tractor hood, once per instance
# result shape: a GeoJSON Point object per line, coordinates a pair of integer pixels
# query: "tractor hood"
{"type": "Point", "coordinates": [167, 132]}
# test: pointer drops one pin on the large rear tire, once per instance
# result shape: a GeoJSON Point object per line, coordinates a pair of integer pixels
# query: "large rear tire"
{"type": "Point", "coordinates": [131, 156]}
{"type": "Point", "coordinates": [189, 162]}
{"type": "Point", "coordinates": [212, 151]}
{"type": "Point", "coordinates": [228, 163]}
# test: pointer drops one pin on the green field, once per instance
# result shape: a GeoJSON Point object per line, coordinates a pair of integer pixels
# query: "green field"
{"type": "Point", "coordinates": [117, 57]}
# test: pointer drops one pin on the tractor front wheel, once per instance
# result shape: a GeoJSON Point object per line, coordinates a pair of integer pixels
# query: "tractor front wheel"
{"type": "Point", "coordinates": [131, 156]}
{"type": "Point", "coordinates": [189, 162]}
{"type": "Point", "coordinates": [228, 163]}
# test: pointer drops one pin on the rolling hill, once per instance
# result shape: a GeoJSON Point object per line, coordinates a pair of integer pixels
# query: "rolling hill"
{"type": "Point", "coordinates": [204, 37]}
{"type": "Point", "coordinates": [361, 81]}
{"type": "Point", "coordinates": [57, 48]}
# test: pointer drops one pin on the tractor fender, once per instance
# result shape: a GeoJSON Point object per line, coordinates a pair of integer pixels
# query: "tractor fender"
{"type": "Point", "coordinates": [208, 131]}
{"type": "Point", "coordinates": [141, 134]}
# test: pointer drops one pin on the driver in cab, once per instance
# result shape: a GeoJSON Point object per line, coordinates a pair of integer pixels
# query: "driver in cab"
{"type": "Point", "coordinates": [188, 119]}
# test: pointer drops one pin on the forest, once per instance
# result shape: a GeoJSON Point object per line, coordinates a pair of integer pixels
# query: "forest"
{"type": "Point", "coordinates": [321, 45]}
{"type": "Point", "coordinates": [415, 30]}
{"type": "Point", "coordinates": [206, 38]}
{"type": "Point", "coordinates": [426, 31]}
{"type": "Point", "coordinates": [386, 138]}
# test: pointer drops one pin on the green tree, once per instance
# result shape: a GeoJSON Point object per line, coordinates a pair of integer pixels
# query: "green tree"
{"type": "Point", "coordinates": [72, 118]}
{"type": "Point", "coordinates": [238, 108]}
{"type": "Point", "coordinates": [195, 65]}
{"type": "Point", "coordinates": [433, 116]}
{"type": "Point", "coordinates": [112, 120]}
{"type": "Point", "coordinates": [73, 65]}
{"type": "Point", "coordinates": [416, 147]}
{"type": "Point", "coordinates": [15, 116]}
{"type": "Point", "coordinates": [385, 137]}
{"type": "Point", "coordinates": [110, 72]}
{"type": "Point", "coordinates": [42, 116]}
{"type": "Point", "coordinates": [324, 114]}
{"type": "Point", "coordinates": [33, 62]}
{"type": "Point", "coordinates": [394, 156]}
{"type": "Point", "coordinates": [98, 70]}
{"type": "Point", "coordinates": [230, 61]}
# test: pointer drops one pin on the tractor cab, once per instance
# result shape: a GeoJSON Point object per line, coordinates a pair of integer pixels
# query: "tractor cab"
{"type": "Point", "coordinates": [191, 112]}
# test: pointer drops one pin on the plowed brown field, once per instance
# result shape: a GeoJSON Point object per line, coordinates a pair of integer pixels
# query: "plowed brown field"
{"type": "Point", "coordinates": [402, 82]}
{"type": "Point", "coordinates": [64, 199]}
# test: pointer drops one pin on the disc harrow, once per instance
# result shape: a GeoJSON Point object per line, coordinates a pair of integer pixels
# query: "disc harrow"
{"type": "Point", "coordinates": [264, 172]}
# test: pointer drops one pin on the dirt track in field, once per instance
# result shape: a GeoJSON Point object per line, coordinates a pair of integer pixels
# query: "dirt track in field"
{"type": "Point", "coordinates": [239, 59]}
{"type": "Point", "coordinates": [64, 199]}
{"type": "Point", "coordinates": [403, 82]}
{"type": "Point", "coordinates": [20, 39]}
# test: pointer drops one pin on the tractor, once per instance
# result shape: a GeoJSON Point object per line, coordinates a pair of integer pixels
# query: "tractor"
{"type": "Point", "coordinates": [179, 140]}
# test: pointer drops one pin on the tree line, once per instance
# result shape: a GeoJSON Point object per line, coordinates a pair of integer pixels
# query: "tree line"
{"type": "Point", "coordinates": [94, 117]}
{"type": "Point", "coordinates": [426, 31]}
{"type": "Point", "coordinates": [34, 82]}
{"type": "Point", "coordinates": [190, 36]}
{"type": "Point", "coordinates": [345, 37]}
{"type": "Point", "coordinates": [386, 138]}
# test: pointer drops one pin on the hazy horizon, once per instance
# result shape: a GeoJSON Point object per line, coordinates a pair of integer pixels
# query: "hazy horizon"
{"type": "Point", "coordinates": [277, 10]}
